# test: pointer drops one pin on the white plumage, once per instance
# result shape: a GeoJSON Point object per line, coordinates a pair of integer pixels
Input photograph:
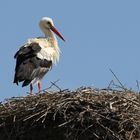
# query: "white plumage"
{"type": "Point", "coordinates": [49, 49]}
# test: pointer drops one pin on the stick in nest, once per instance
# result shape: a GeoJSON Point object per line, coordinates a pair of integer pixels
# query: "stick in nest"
{"type": "Point", "coordinates": [121, 85]}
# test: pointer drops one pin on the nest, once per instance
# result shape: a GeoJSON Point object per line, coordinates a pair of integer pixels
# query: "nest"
{"type": "Point", "coordinates": [83, 114]}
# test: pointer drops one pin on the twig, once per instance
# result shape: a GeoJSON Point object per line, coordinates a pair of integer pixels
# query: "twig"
{"type": "Point", "coordinates": [122, 86]}
{"type": "Point", "coordinates": [107, 129]}
{"type": "Point", "coordinates": [110, 83]}
{"type": "Point", "coordinates": [138, 87]}
{"type": "Point", "coordinates": [131, 134]}
{"type": "Point", "coordinates": [136, 103]}
{"type": "Point", "coordinates": [52, 84]}
{"type": "Point", "coordinates": [60, 125]}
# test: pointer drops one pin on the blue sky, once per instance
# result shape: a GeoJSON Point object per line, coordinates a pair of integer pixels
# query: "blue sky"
{"type": "Point", "coordinates": [99, 35]}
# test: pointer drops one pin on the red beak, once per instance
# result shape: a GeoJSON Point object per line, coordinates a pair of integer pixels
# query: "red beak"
{"type": "Point", "coordinates": [57, 33]}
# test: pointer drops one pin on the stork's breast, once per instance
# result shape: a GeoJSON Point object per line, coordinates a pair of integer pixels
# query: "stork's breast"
{"type": "Point", "coordinates": [48, 50]}
{"type": "Point", "coordinates": [47, 53]}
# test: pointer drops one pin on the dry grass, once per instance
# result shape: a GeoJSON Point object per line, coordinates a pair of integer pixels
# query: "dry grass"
{"type": "Point", "coordinates": [83, 114]}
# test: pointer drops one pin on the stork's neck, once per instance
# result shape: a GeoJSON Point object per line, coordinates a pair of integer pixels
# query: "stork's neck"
{"type": "Point", "coordinates": [50, 34]}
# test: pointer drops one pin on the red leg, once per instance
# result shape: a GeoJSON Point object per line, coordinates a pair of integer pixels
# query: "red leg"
{"type": "Point", "coordinates": [39, 87]}
{"type": "Point", "coordinates": [31, 89]}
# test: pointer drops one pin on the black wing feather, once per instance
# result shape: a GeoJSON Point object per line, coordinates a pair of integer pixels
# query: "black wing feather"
{"type": "Point", "coordinates": [26, 62]}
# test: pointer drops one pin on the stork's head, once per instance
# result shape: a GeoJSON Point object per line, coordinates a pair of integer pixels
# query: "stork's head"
{"type": "Point", "coordinates": [46, 24]}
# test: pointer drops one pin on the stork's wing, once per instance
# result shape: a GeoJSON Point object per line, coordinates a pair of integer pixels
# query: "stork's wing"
{"type": "Point", "coordinates": [28, 65]}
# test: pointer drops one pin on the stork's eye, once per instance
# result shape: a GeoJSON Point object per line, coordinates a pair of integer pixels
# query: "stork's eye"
{"type": "Point", "coordinates": [49, 23]}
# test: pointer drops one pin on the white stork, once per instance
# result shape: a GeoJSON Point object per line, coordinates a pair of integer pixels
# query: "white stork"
{"type": "Point", "coordinates": [36, 57]}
